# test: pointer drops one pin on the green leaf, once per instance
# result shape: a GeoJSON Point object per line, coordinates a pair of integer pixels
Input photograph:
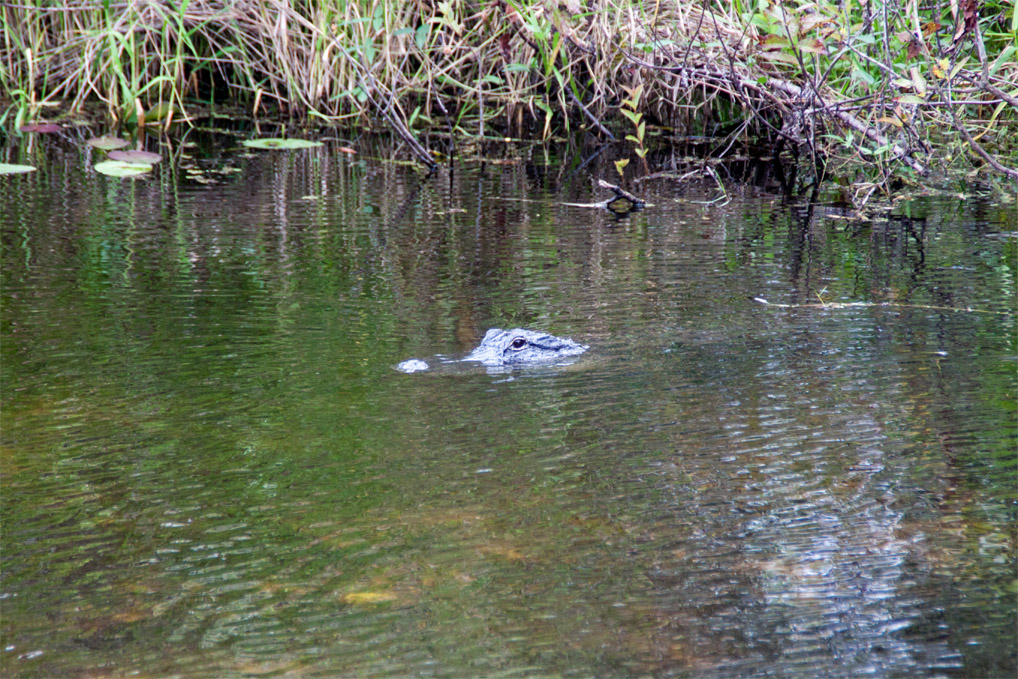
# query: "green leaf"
{"type": "Point", "coordinates": [859, 74]}
{"type": "Point", "coordinates": [421, 35]}
{"type": "Point", "coordinates": [8, 168]}
{"type": "Point", "coordinates": [637, 95]}
{"type": "Point", "coordinates": [633, 116]}
{"type": "Point", "coordinates": [543, 105]}
{"type": "Point", "coordinates": [1005, 57]}
{"type": "Point", "coordinates": [118, 168]}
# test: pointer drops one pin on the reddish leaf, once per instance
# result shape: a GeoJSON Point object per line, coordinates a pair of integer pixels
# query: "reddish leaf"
{"type": "Point", "coordinates": [42, 128]}
{"type": "Point", "coordinates": [136, 157]}
{"type": "Point", "coordinates": [913, 49]}
{"type": "Point", "coordinates": [813, 46]}
{"type": "Point", "coordinates": [967, 22]}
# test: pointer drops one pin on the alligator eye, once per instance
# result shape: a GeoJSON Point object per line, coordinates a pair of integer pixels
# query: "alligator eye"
{"type": "Point", "coordinates": [518, 343]}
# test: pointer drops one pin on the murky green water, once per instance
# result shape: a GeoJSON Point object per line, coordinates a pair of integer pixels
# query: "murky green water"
{"type": "Point", "coordinates": [211, 468]}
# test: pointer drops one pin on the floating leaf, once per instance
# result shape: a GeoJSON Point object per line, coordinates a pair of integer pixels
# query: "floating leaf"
{"type": "Point", "coordinates": [145, 157]}
{"type": "Point", "coordinates": [42, 128]}
{"type": "Point", "coordinates": [118, 168]}
{"type": "Point", "coordinates": [7, 168]}
{"type": "Point", "coordinates": [107, 143]}
{"type": "Point", "coordinates": [281, 143]}
{"type": "Point", "coordinates": [368, 597]}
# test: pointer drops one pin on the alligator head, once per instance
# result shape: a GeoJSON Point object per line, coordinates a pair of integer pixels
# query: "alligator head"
{"type": "Point", "coordinates": [510, 348]}
{"type": "Point", "coordinates": [522, 347]}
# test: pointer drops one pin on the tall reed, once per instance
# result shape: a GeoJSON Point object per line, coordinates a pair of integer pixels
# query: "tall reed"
{"type": "Point", "coordinates": [882, 83]}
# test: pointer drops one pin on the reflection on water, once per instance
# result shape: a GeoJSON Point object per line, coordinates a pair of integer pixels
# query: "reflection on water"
{"type": "Point", "coordinates": [211, 467]}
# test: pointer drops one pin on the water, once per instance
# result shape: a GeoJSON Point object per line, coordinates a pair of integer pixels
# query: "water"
{"type": "Point", "coordinates": [211, 468]}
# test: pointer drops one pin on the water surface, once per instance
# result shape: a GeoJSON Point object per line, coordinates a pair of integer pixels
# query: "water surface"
{"type": "Point", "coordinates": [210, 466]}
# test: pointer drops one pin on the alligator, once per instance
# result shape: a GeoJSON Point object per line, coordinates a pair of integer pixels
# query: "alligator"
{"type": "Point", "coordinates": [509, 349]}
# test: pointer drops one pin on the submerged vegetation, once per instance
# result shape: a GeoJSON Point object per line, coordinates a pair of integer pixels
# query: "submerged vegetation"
{"type": "Point", "coordinates": [897, 86]}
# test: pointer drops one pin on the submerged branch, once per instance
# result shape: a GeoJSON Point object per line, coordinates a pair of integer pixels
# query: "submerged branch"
{"type": "Point", "coordinates": [887, 305]}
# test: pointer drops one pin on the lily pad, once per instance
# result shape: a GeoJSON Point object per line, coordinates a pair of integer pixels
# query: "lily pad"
{"type": "Point", "coordinates": [41, 128]}
{"type": "Point", "coordinates": [118, 168]}
{"type": "Point", "coordinates": [108, 143]}
{"type": "Point", "coordinates": [7, 168]}
{"type": "Point", "coordinates": [281, 143]}
{"type": "Point", "coordinates": [145, 157]}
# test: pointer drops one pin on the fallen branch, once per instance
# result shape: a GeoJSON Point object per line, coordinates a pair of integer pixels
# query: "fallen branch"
{"type": "Point", "coordinates": [975, 145]}
{"type": "Point", "coordinates": [849, 120]}
{"type": "Point", "coordinates": [993, 162]}
{"type": "Point", "coordinates": [590, 116]}
{"type": "Point", "coordinates": [396, 121]}
{"type": "Point", "coordinates": [621, 193]}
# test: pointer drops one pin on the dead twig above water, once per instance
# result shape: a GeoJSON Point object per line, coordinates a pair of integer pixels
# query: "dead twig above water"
{"type": "Point", "coordinates": [621, 193]}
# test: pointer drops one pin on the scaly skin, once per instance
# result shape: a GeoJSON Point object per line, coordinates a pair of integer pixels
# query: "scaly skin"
{"type": "Point", "coordinates": [511, 348]}
{"type": "Point", "coordinates": [520, 347]}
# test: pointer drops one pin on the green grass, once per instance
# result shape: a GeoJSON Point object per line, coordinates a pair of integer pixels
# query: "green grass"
{"type": "Point", "coordinates": [890, 86]}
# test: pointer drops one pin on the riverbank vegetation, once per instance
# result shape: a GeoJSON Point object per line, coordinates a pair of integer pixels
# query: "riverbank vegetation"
{"type": "Point", "coordinates": [877, 90]}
